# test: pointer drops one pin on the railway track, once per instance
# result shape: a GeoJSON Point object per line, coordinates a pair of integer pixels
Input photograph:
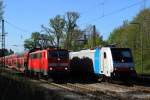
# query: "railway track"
{"type": "Point", "coordinates": [115, 91]}
{"type": "Point", "coordinates": [78, 88]}
{"type": "Point", "coordinates": [110, 90]}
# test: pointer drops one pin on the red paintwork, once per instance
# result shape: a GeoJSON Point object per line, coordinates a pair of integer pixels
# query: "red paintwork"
{"type": "Point", "coordinates": [15, 61]}
{"type": "Point", "coordinates": [38, 64]}
{"type": "Point", "coordinates": [43, 64]}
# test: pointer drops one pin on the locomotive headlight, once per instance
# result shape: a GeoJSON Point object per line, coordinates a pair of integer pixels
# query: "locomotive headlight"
{"type": "Point", "coordinates": [50, 68]}
{"type": "Point", "coordinates": [66, 68]}
{"type": "Point", "coordinates": [131, 68]}
{"type": "Point", "coordinates": [115, 68]}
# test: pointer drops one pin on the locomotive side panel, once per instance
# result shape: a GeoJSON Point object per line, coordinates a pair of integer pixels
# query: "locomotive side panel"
{"type": "Point", "coordinates": [86, 61]}
{"type": "Point", "coordinates": [35, 62]}
{"type": "Point", "coordinates": [106, 61]}
{"type": "Point", "coordinates": [44, 62]}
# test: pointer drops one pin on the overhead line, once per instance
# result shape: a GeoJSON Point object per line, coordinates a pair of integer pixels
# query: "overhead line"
{"type": "Point", "coordinates": [99, 4]}
{"type": "Point", "coordinates": [15, 26]}
{"type": "Point", "coordinates": [114, 12]}
{"type": "Point", "coordinates": [122, 9]}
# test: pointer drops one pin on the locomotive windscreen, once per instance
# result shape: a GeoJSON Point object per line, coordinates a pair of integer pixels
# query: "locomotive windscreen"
{"type": "Point", "coordinates": [59, 54]}
{"type": "Point", "coordinates": [121, 55]}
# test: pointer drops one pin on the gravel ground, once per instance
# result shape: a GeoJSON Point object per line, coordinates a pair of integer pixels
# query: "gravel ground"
{"type": "Point", "coordinates": [18, 87]}
{"type": "Point", "coordinates": [124, 92]}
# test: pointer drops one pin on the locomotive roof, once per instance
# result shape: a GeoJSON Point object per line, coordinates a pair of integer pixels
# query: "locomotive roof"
{"type": "Point", "coordinates": [48, 49]}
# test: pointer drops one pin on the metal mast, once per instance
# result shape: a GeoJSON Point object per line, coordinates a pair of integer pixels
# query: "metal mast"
{"type": "Point", "coordinates": [3, 43]}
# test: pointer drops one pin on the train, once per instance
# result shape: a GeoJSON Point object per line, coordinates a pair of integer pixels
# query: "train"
{"type": "Point", "coordinates": [98, 63]}
{"type": "Point", "coordinates": [47, 62]}
{"type": "Point", "coordinates": [103, 62]}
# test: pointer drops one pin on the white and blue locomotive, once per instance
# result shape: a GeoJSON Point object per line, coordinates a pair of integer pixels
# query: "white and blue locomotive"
{"type": "Point", "coordinates": [107, 61]}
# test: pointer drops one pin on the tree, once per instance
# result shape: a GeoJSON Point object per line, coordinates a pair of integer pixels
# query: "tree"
{"type": "Point", "coordinates": [57, 24]}
{"type": "Point", "coordinates": [64, 30]}
{"type": "Point", "coordinates": [55, 29]}
{"type": "Point", "coordinates": [11, 52]}
{"type": "Point", "coordinates": [3, 52]}
{"type": "Point", "coordinates": [130, 35]}
{"type": "Point", "coordinates": [89, 38]}
{"type": "Point", "coordinates": [71, 28]}
{"type": "Point", "coordinates": [77, 40]}
{"type": "Point", "coordinates": [29, 44]}
{"type": "Point", "coordinates": [37, 40]}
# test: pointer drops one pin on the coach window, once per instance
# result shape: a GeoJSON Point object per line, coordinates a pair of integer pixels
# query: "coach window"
{"type": "Point", "coordinates": [39, 55]}
{"type": "Point", "coordinates": [32, 56]}
{"type": "Point", "coordinates": [35, 56]}
{"type": "Point", "coordinates": [104, 55]}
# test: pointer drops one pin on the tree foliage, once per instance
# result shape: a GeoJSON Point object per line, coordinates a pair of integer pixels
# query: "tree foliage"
{"type": "Point", "coordinates": [37, 40]}
{"type": "Point", "coordinates": [63, 31]}
{"type": "Point", "coordinates": [130, 34]}
{"type": "Point", "coordinates": [90, 38]}
{"type": "Point", "coordinates": [55, 29]}
{"type": "Point", "coordinates": [71, 29]}
{"type": "Point", "coordinates": [5, 52]}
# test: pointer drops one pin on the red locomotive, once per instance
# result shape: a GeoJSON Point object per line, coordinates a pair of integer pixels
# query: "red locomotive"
{"type": "Point", "coordinates": [47, 62]}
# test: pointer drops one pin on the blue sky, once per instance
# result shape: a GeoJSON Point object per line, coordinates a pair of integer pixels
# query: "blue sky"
{"type": "Point", "coordinates": [27, 16]}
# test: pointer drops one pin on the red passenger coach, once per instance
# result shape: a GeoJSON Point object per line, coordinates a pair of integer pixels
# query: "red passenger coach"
{"type": "Point", "coordinates": [16, 61]}
{"type": "Point", "coordinates": [11, 61]}
{"type": "Point", "coordinates": [49, 62]}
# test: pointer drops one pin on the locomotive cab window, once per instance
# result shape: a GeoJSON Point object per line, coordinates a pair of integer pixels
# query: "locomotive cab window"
{"type": "Point", "coordinates": [63, 54]}
{"type": "Point", "coordinates": [121, 54]}
{"type": "Point", "coordinates": [105, 55]}
{"type": "Point", "coordinates": [60, 54]}
{"type": "Point", "coordinates": [53, 54]}
{"type": "Point", "coordinates": [39, 55]}
{"type": "Point", "coordinates": [35, 56]}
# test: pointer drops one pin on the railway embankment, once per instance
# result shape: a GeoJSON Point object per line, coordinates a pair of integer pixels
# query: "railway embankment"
{"type": "Point", "coordinates": [15, 86]}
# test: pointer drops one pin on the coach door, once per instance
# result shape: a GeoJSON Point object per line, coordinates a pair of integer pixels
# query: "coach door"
{"type": "Point", "coordinates": [105, 63]}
